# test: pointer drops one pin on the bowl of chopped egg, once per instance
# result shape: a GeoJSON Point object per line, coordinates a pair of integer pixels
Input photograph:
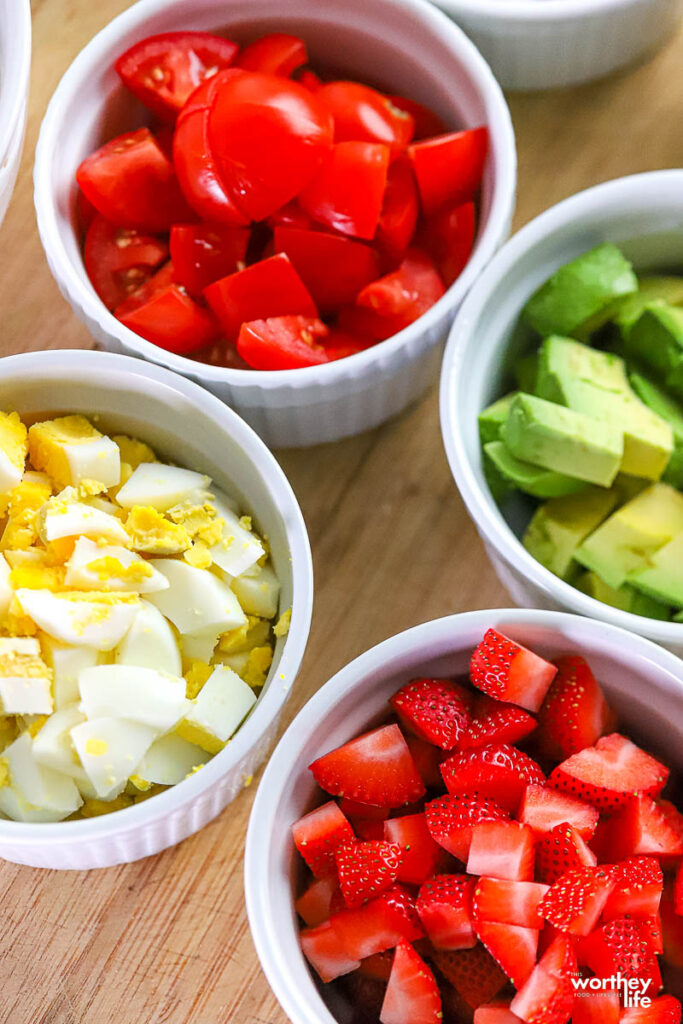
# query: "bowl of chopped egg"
{"type": "Point", "coordinates": [155, 601]}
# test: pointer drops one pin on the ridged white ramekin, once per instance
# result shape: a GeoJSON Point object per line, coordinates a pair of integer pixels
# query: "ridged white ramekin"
{"type": "Point", "coordinates": [406, 44]}
{"type": "Point", "coordinates": [643, 683]}
{"type": "Point", "coordinates": [15, 66]}
{"type": "Point", "coordinates": [543, 44]}
{"type": "Point", "coordinates": [642, 214]}
{"type": "Point", "coordinates": [186, 425]}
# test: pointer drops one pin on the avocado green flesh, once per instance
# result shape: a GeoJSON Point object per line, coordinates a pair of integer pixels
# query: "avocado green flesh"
{"type": "Point", "coordinates": [656, 339]}
{"type": "Point", "coordinates": [492, 419]}
{"type": "Point", "coordinates": [625, 597]}
{"type": "Point", "coordinates": [526, 372]}
{"type": "Point", "coordinates": [525, 476]}
{"type": "Point", "coordinates": [560, 525]}
{"type": "Point", "coordinates": [664, 290]}
{"type": "Point", "coordinates": [672, 411]}
{"type": "Point", "coordinates": [662, 577]}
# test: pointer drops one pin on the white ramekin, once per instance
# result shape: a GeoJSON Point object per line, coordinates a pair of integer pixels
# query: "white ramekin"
{"type": "Point", "coordinates": [405, 44]}
{"type": "Point", "coordinates": [543, 44]}
{"type": "Point", "coordinates": [15, 66]}
{"type": "Point", "coordinates": [191, 427]}
{"type": "Point", "coordinates": [642, 214]}
{"type": "Point", "coordinates": [644, 683]}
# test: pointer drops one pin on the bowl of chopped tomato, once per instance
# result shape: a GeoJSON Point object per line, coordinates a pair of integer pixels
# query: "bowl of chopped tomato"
{"type": "Point", "coordinates": [15, 61]}
{"type": "Point", "coordinates": [286, 206]}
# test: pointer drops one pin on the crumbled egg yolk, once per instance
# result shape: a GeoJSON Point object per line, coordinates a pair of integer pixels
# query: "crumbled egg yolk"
{"type": "Point", "coordinates": [111, 568]}
{"type": "Point", "coordinates": [133, 452]}
{"type": "Point", "coordinates": [195, 677]}
{"type": "Point", "coordinates": [23, 505]}
{"type": "Point", "coordinates": [259, 661]}
{"type": "Point", "coordinates": [152, 533]}
{"type": "Point", "coordinates": [281, 627]}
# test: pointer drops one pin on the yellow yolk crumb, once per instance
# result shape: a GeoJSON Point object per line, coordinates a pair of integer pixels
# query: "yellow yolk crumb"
{"type": "Point", "coordinates": [281, 628]}
{"type": "Point", "coordinates": [46, 441]}
{"type": "Point", "coordinates": [8, 731]}
{"type": "Point", "coordinates": [37, 577]}
{"type": "Point", "coordinates": [96, 748]}
{"type": "Point", "coordinates": [198, 556]}
{"type": "Point", "coordinates": [61, 550]}
{"type": "Point", "coordinates": [133, 451]}
{"type": "Point", "coordinates": [25, 501]}
{"type": "Point", "coordinates": [195, 677]}
{"type": "Point", "coordinates": [245, 522]}
{"type": "Point", "coordinates": [4, 772]}
{"type": "Point", "coordinates": [13, 447]}
{"type": "Point", "coordinates": [17, 623]}
{"type": "Point", "coordinates": [90, 488]}
{"type": "Point", "coordinates": [152, 533]}
{"type": "Point", "coordinates": [254, 632]}
{"type": "Point", "coordinates": [140, 784]}
{"type": "Point", "coordinates": [92, 808]}
{"type": "Point", "coordinates": [258, 663]}
{"type": "Point", "coordinates": [36, 725]}
{"type": "Point", "coordinates": [194, 733]}
{"type": "Point", "coordinates": [109, 567]}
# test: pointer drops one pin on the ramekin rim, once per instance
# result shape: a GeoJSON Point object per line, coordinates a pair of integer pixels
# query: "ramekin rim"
{"type": "Point", "coordinates": [12, 111]}
{"type": "Point", "coordinates": [535, 10]}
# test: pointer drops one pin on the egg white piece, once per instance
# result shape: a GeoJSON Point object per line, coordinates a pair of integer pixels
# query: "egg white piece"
{"type": "Point", "coordinates": [196, 601]}
{"type": "Point", "coordinates": [170, 759]}
{"type": "Point", "coordinates": [239, 548]}
{"type": "Point", "coordinates": [66, 662]}
{"type": "Point", "coordinates": [35, 793]}
{"type": "Point", "coordinates": [10, 473]}
{"type": "Point", "coordinates": [81, 622]}
{"type": "Point", "coordinates": [218, 710]}
{"type": "Point", "coordinates": [259, 592]}
{"type": "Point", "coordinates": [25, 684]}
{"type": "Point", "coordinates": [161, 486]}
{"type": "Point", "coordinates": [237, 662]}
{"type": "Point", "coordinates": [97, 458]}
{"type": "Point", "coordinates": [110, 750]}
{"type": "Point", "coordinates": [6, 592]}
{"type": "Point", "coordinates": [137, 694]}
{"type": "Point", "coordinates": [199, 646]}
{"type": "Point", "coordinates": [88, 570]}
{"type": "Point", "coordinates": [53, 746]}
{"type": "Point", "coordinates": [65, 518]}
{"type": "Point", "coordinates": [150, 642]}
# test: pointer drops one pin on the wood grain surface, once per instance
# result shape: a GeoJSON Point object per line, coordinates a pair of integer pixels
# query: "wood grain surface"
{"type": "Point", "coordinates": [165, 941]}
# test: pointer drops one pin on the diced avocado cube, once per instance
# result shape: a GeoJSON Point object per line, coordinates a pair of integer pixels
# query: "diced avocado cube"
{"type": "Point", "coordinates": [580, 290]}
{"type": "Point", "coordinates": [627, 487]}
{"type": "Point", "coordinates": [568, 442]}
{"type": "Point", "coordinates": [499, 487]}
{"type": "Point", "coordinates": [565, 365]}
{"type": "Point", "coordinates": [631, 535]}
{"type": "Point", "coordinates": [656, 338]}
{"type": "Point", "coordinates": [658, 290]}
{"type": "Point", "coordinates": [673, 474]}
{"type": "Point", "coordinates": [672, 411]}
{"type": "Point", "coordinates": [559, 526]}
{"type": "Point", "coordinates": [625, 597]}
{"type": "Point", "coordinates": [492, 419]}
{"type": "Point", "coordinates": [526, 372]}
{"type": "Point", "coordinates": [541, 483]}
{"type": "Point", "coordinates": [678, 617]}
{"type": "Point", "coordinates": [662, 577]}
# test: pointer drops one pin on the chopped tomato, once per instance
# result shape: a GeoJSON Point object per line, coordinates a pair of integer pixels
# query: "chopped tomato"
{"type": "Point", "coordinates": [283, 343]}
{"type": "Point", "coordinates": [163, 70]}
{"type": "Point", "coordinates": [203, 253]}
{"type": "Point", "coordinates": [289, 216]}
{"type": "Point", "coordinates": [347, 192]}
{"type": "Point", "coordinates": [85, 212]}
{"type": "Point", "coordinates": [362, 322]}
{"type": "Point", "coordinates": [427, 123]}
{"type": "Point", "coordinates": [156, 283]}
{"type": "Point", "coordinates": [131, 182]}
{"type": "Point", "coordinates": [340, 344]}
{"type": "Point", "coordinates": [407, 292]}
{"type": "Point", "coordinates": [270, 288]}
{"type": "Point", "coordinates": [274, 54]}
{"type": "Point", "coordinates": [449, 237]}
{"type": "Point", "coordinates": [268, 136]}
{"type": "Point", "coordinates": [333, 268]}
{"type": "Point", "coordinates": [398, 218]}
{"type": "Point", "coordinates": [449, 168]}
{"type": "Point", "coordinates": [119, 260]}
{"type": "Point", "coordinates": [163, 313]}
{"type": "Point", "coordinates": [362, 114]}
{"type": "Point", "coordinates": [310, 80]}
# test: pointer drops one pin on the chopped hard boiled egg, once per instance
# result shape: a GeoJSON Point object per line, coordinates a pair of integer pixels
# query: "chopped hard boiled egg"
{"type": "Point", "coordinates": [24, 678]}
{"type": "Point", "coordinates": [64, 517]}
{"type": "Point", "coordinates": [138, 694]}
{"type": "Point", "coordinates": [196, 601]}
{"type": "Point", "coordinates": [110, 750]}
{"type": "Point", "coordinates": [170, 759]}
{"type": "Point", "coordinates": [95, 619]}
{"type": "Point", "coordinates": [152, 533]}
{"type": "Point", "coordinates": [258, 594]}
{"type": "Point", "coordinates": [66, 662]}
{"type": "Point", "coordinates": [69, 449]}
{"type": "Point", "coordinates": [238, 549]}
{"type": "Point", "coordinates": [53, 746]}
{"type": "Point", "coordinates": [6, 591]}
{"type": "Point", "coordinates": [161, 486]}
{"type": "Point", "coordinates": [35, 793]}
{"type": "Point", "coordinates": [150, 642]}
{"type": "Point", "coordinates": [109, 567]}
{"type": "Point", "coordinates": [13, 450]}
{"type": "Point", "coordinates": [217, 711]}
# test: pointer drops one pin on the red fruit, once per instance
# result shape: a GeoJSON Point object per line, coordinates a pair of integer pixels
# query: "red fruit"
{"type": "Point", "coordinates": [347, 191]}
{"type": "Point", "coordinates": [502, 849]}
{"type": "Point", "coordinates": [498, 770]}
{"type": "Point", "coordinates": [354, 809]}
{"type": "Point", "coordinates": [575, 713]}
{"type": "Point", "coordinates": [444, 906]}
{"type": "Point", "coordinates": [366, 869]}
{"type": "Point", "coordinates": [325, 952]}
{"type": "Point", "coordinates": [678, 890]}
{"type": "Point", "coordinates": [317, 836]}
{"type": "Point", "coordinates": [436, 709]}
{"type": "Point", "coordinates": [506, 902]}
{"type": "Point", "coordinates": [427, 760]}
{"type": "Point", "coordinates": [495, 722]}
{"type": "Point", "coordinates": [644, 826]}
{"type": "Point", "coordinates": [274, 54]}
{"type": "Point", "coordinates": [543, 809]}
{"type": "Point", "coordinates": [638, 889]}
{"type": "Point", "coordinates": [560, 851]}
{"type": "Point", "coordinates": [398, 218]}
{"type": "Point", "coordinates": [420, 853]}
{"type": "Point", "coordinates": [548, 994]}
{"type": "Point", "coordinates": [449, 168]}
{"type": "Point", "coordinates": [509, 672]}
{"type": "Point", "coordinates": [665, 1010]}
{"type": "Point", "coordinates": [377, 966]}
{"type": "Point", "coordinates": [375, 768]}
{"type": "Point", "coordinates": [495, 1013]}
{"type": "Point", "coordinates": [601, 1007]}
{"type": "Point", "coordinates": [472, 972]}
{"type": "Point", "coordinates": [575, 901]}
{"type": "Point", "coordinates": [512, 947]}
{"type": "Point", "coordinates": [672, 932]}
{"type": "Point", "coordinates": [407, 292]}
{"type": "Point", "coordinates": [450, 820]}
{"type": "Point", "coordinates": [448, 237]}
{"type": "Point", "coordinates": [622, 946]}
{"type": "Point", "coordinates": [412, 995]}
{"type": "Point", "coordinates": [314, 906]}
{"type": "Point", "coordinates": [379, 925]}
{"type": "Point", "coordinates": [607, 774]}
{"type": "Point", "coordinates": [369, 829]}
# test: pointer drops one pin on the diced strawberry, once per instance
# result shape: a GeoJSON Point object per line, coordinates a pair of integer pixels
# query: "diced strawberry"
{"type": "Point", "coordinates": [548, 994]}
{"type": "Point", "coordinates": [638, 889]}
{"type": "Point", "coordinates": [427, 760]}
{"type": "Point", "coordinates": [378, 925]}
{"type": "Point", "coordinates": [644, 827]}
{"type": "Point", "coordinates": [678, 890]}
{"type": "Point", "coordinates": [315, 903]}
{"type": "Point", "coordinates": [509, 672]}
{"type": "Point", "coordinates": [412, 995]}
{"type": "Point", "coordinates": [377, 966]}
{"type": "Point", "coordinates": [672, 931]}
{"type": "Point", "coordinates": [493, 721]}
{"type": "Point", "coordinates": [575, 901]}
{"type": "Point", "coordinates": [367, 869]}
{"type": "Point", "coordinates": [544, 808]}
{"type": "Point", "coordinates": [600, 1007]}
{"type": "Point", "coordinates": [560, 851]}
{"type": "Point", "coordinates": [495, 1013]}
{"type": "Point", "coordinates": [445, 907]}
{"type": "Point", "coordinates": [420, 853]}
{"type": "Point", "coordinates": [502, 849]}
{"type": "Point", "coordinates": [450, 820]}
{"type": "Point", "coordinates": [436, 709]}
{"type": "Point", "coordinates": [370, 830]}
{"type": "Point", "coordinates": [318, 834]}
{"type": "Point", "coordinates": [498, 770]}
{"type": "Point", "coordinates": [472, 972]}
{"type": "Point", "coordinates": [375, 768]}
{"type": "Point", "coordinates": [609, 773]}
{"type": "Point", "coordinates": [622, 947]}
{"type": "Point", "coordinates": [513, 948]}
{"type": "Point", "coordinates": [575, 713]}
{"type": "Point", "coordinates": [369, 812]}
{"type": "Point", "coordinates": [651, 930]}
{"type": "Point", "coordinates": [665, 1010]}
{"type": "Point", "coordinates": [506, 902]}
{"type": "Point", "coordinates": [326, 953]}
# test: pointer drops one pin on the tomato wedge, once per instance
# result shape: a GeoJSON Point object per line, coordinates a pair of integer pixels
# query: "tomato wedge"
{"type": "Point", "coordinates": [340, 344]}
{"type": "Point", "coordinates": [362, 114]}
{"type": "Point", "coordinates": [347, 192]}
{"type": "Point", "coordinates": [310, 80]}
{"type": "Point", "coordinates": [270, 288]}
{"type": "Point", "coordinates": [131, 182]}
{"type": "Point", "coordinates": [203, 253]}
{"type": "Point", "coordinates": [426, 122]}
{"type": "Point", "coordinates": [163, 313]}
{"type": "Point", "coordinates": [274, 54]}
{"type": "Point", "coordinates": [163, 70]}
{"type": "Point", "coordinates": [268, 136]}
{"type": "Point", "coordinates": [119, 260]}
{"type": "Point", "coordinates": [283, 343]}
{"type": "Point", "coordinates": [448, 236]}
{"type": "Point", "coordinates": [407, 292]}
{"type": "Point", "coordinates": [361, 322]}
{"type": "Point", "coordinates": [449, 168]}
{"type": "Point", "coordinates": [398, 218]}
{"type": "Point", "coordinates": [333, 268]}
{"type": "Point", "coordinates": [289, 216]}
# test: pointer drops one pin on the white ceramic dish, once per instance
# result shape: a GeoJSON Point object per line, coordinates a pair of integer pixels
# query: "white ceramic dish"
{"type": "Point", "coordinates": [189, 426]}
{"type": "Point", "coordinates": [543, 44]}
{"type": "Point", "coordinates": [15, 66]}
{"type": "Point", "coordinates": [642, 214]}
{"type": "Point", "coordinates": [405, 44]}
{"type": "Point", "coordinates": [644, 683]}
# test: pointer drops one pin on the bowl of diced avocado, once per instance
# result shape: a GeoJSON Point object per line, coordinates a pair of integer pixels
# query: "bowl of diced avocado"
{"type": "Point", "coordinates": [562, 407]}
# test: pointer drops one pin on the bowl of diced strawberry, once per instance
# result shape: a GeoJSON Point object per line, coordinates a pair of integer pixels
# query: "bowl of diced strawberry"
{"type": "Point", "coordinates": [479, 820]}
{"type": "Point", "coordinates": [263, 193]}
